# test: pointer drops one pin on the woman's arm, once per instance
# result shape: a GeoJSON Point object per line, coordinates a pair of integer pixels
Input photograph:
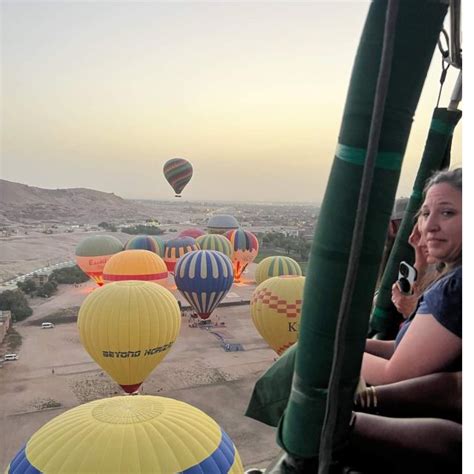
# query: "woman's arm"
{"type": "Point", "coordinates": [426, 348]}
{"type": "Point", "coordinates": [384, 349]}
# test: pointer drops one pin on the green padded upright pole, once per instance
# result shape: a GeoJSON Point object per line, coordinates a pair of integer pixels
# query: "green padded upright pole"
{"type": "Point", "coordinates": [385, 319]}
{"type": "Point", "coordinates": [300, 427]}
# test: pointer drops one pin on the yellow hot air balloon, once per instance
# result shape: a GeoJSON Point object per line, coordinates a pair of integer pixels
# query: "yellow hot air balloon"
{"type": "Point", "coordinates": [136, 265]}
{"type": "Point", "coordinates": [275, 308]}
{"type": "Point", "coordinates": [275, 266]}
{"type": "Point", "coordinates": [128, 327]}
{"type": "Point", "coordinates": [144, 434]}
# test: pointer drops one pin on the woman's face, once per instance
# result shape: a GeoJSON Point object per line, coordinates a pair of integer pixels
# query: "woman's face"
{"type": "Point", "coordinates": [441, 222]}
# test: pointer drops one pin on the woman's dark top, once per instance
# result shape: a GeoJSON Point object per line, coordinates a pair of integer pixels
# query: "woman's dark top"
{"type": "Point", "coordinates": [443, 299]}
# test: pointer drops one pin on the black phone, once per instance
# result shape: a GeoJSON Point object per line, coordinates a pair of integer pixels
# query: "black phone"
{"type": "Point", "coordinates": [406, 278]}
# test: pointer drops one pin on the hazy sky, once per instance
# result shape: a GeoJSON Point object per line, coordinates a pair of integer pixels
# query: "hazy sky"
{"type": "Point", "coordinates": [101, 94]}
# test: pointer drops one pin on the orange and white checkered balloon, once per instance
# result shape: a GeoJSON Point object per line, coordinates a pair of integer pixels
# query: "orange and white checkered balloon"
{"type": "Point", "coordinates": [276, 308]}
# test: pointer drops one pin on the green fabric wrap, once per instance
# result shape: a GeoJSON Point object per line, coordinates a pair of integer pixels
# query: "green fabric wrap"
{"type": "Point", "coordinates": [300, 428]}
{"type": "Point", "coordinates": [384, 319]}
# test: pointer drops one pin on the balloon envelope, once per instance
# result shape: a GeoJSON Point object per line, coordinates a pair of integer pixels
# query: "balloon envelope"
{"type": "Point", "coordinates": [245, 249]}
{"type": "Point", "coordinates": [176, 248]}
{"type": "Point", "coordinates": [275, 308]}
{"type": "Point", "coordinates": [93, 252]}
{"type": "Point", "coordinates": [276, 266]}
{"type": "Point", "coordinates": [222, 223]}
{"type": "Point", "coordinates": [204, 277]}
{"type": "Point", "coordinates": [136, 265]}
{"type": "Point", "coordinates": [161, 246]}
{"type": "Point", "coordinates": [128, 327]}
{"type": "Point", "coordinates": [178, 172]}
{"type": "Point", "coordinates": [143, 434]}
{"type": "Point", "coordinates": [143, 242]}
{"type": "Point", "coordinates": [193, 232]}
{"type": "Point", "coordinates": [216, 242]}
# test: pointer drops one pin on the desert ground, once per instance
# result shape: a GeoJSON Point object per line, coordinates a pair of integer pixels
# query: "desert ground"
{"type": "Point", "coordinates": [197, 371]}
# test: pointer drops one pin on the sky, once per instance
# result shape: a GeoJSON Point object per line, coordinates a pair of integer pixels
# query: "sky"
{"type": "Point", "coordinates": [101, 94]}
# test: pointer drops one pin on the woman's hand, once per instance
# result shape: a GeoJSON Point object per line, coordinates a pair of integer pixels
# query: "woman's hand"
{"type": "Point", "coordinates": [405, 304]}
{"type": "Point", "coordinates": [418, 243]}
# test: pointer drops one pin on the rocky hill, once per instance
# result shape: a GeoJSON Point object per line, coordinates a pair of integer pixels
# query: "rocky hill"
{"type": "Point", "coordinates": [24, 204]}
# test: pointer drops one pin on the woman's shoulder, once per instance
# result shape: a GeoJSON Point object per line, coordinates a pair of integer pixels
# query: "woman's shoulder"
{"type": "Point", "coordinates": [444, 301]}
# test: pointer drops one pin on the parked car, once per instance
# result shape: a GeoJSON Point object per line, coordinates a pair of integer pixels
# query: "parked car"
{"type": "Point", "coordinates": [10, 357]}
{"type": "Point", "coordinates": [47, 325]}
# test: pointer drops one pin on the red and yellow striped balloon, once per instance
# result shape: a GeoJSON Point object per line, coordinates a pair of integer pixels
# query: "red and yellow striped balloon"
{"type": "Point", "coordinates": [136, 265]}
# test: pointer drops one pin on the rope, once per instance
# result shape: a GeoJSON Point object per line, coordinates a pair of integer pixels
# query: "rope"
{"type": "Point", "coordinates": [325, 452]}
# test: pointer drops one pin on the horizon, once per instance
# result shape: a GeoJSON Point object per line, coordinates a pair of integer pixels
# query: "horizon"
{"type": "Point", "coordinates": [252, 94]}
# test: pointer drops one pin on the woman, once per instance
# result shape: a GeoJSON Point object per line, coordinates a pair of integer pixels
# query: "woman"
{"type": "Point", "coordinates": [432, 341]}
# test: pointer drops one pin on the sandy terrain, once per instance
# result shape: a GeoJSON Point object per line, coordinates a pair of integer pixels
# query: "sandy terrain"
{"type": "Point", "coordinates": [197, 370]}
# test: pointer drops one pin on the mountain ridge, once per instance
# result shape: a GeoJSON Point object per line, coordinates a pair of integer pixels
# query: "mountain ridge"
{"type": "Point", "coordinates": [21, 203]}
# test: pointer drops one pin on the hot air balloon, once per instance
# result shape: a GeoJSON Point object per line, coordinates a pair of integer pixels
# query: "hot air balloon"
{"type": "Point", "coordinates": [128, 327]}
{"type": "Point", "coordinates": [93, 252]}
{"type": "Point", "coordinates": [176, 248]}
{"type": "Point", "coordinates": [161, 246]}
{"type": "Point", "coordinates": [143, 242]}
{"type": "Point", "coordinates": [276, 266]}
{"type": "Point", "coordinates": [136, 265]}
{"type": "Point", "coordinates": [204, 277]}
{"type": "Point", "coordinates": [275, 308]}
{"type": "Point", "coordinates": [178, 172]}
{"type": "Point", "coordinates": [222, 223]}
{"type": "Point", "coordinates": [141, 434]}
{"type": "Point", "coordinates": [193, 232]}
{"type": "Point", "coordinates": [245, 249]}
{"type": "Point", "coordinates": [216, 242]}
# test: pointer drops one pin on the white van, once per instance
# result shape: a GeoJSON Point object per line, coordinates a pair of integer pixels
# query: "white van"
{"type": "Point", "coordinates": [47, 325]}
{"type": "Point", "coordinates": [10, 357]}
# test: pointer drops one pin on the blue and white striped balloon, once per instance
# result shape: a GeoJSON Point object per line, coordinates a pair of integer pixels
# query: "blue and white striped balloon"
{"type": "Point", "coordinates": [204, 277]}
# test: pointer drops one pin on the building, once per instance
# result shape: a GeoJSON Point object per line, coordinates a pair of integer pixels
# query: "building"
{"type": "Point", "coordinates": [5, 323]}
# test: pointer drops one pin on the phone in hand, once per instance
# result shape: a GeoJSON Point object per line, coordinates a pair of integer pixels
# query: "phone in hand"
{"type": "Point", "coordinates": [406, 278]}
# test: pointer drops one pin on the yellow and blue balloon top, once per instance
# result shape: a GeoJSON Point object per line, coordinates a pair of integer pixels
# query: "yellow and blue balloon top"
{"type": "Point", "coordinates": [136, 265]}
{"type": "Point", "coordinates": [176, 248]}
{"type": "Point", "coordinates": [93, 252]}
{"type": "Point", "coordinates": [245, 249]}
{"type": "Point", "coordinates": [216, 242]}
{"type": "Point", "coordinates": [178, 172]}
{"type": "Point", "coordinates": [276, 266]}
{"type": "Point", "coordinates": [142, 434]}
{"type": "Point", "coordinates": [204, 277]}
{"type": "Point", "coordinates": [128, 327]}
{"type": "Point", "coordinates": [276, 308]}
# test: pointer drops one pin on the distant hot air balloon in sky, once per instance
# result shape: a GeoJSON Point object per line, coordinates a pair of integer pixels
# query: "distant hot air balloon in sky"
{"type": "Point", "coordinates": [245, 249]}
{"type": "Point", "coordinates": [216, 242]}
{"type": "Point", "coordinates": [204, 277]}
{"type": "Point", "coordinates": [275, 308]}
{"type": "Point", "coordinates": [143, 242]}
{"type": "Point", "coordinates": [93, 252]}
{"type": "Point", "coordinates": [178, 172]}
{"type": "Point", "coordinates": [144, 434]}
{"type": "Point", "coordinates": [193, 232]}
{"type": "Point", "coordinates": [136, 265]}
{"type": "Point", "coordinates": [275, 266]}
{"type": "Point", "coordinates": [128, 327]}
{"type": "Point", "coordinates": [176, 248]}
